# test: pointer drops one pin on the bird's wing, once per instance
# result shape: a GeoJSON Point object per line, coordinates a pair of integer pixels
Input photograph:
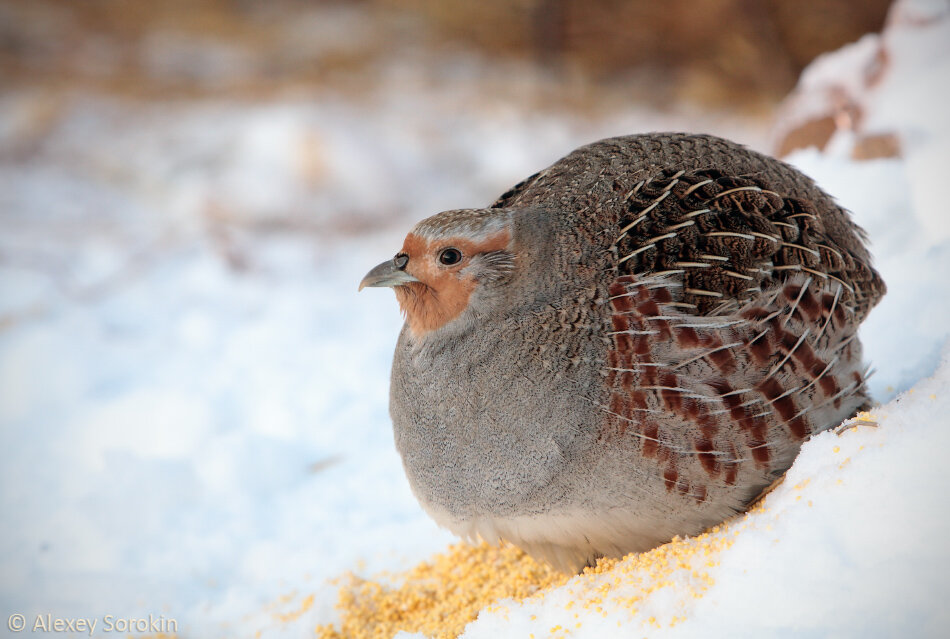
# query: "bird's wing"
{"type": "Point", "coordinates": [728, 238]}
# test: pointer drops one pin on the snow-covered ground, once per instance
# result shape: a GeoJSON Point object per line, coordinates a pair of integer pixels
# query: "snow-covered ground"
{"type": "Point", "coordinates": [193, 420]}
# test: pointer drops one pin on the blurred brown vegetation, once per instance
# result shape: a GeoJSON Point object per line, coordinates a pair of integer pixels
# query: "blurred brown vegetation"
{"type": "Point", "coordinates": [713, 50]}
{"type": "Point", "coordinates": [725, 53]}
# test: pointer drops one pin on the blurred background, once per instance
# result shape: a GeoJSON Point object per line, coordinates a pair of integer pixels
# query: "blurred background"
{"type": "Point", "coordinates": [316, 113]}
{"type": "Point", "coordinates": [192, 397]}
{"type": "Point", "coordinates": [727, 52]}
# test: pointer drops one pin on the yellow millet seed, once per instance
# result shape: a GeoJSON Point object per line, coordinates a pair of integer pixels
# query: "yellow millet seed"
{"type": "Point", "coordinates": [439, 597]}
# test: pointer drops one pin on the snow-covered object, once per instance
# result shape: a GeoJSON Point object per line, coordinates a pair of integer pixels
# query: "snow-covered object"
{"type": "Point", "coordinates": [867, 99]}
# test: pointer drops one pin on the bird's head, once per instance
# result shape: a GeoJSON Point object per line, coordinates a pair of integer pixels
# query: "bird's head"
{"type": "Point", "coordinates": [449, 263]}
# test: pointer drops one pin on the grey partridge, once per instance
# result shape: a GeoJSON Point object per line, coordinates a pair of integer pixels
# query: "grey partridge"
{"type": "Point", "coordinates": [627, 346]}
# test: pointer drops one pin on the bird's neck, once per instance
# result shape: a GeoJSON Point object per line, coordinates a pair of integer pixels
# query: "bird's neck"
{"type": "Point", "coordinates": [427, 308]}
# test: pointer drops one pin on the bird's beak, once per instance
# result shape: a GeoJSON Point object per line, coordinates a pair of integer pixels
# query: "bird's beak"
{"type": "Point", "coordinates": [387, 274]}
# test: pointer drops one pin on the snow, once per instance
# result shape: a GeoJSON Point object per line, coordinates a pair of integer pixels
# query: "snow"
{"type": "Point", "coordinates": [193, 398]}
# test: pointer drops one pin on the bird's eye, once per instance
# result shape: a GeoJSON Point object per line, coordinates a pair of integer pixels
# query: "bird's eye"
{"type": "Point", "coordinates": [450, 256]}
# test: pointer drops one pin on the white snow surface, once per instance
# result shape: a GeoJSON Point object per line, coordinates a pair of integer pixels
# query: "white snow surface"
{"type": "Point", "coordinates": [193, 398]}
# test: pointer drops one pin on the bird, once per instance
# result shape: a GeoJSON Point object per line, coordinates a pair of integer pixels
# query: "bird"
{"type": "Point", "coordinates": [627, 346]}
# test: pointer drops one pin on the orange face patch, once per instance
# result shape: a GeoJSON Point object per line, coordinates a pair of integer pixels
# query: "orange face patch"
{"type": "Point", "coordinates": [442, 292]}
